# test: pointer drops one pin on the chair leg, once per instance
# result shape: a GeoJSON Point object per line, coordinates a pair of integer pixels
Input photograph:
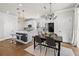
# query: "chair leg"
{"type": "Point", "coordinates": [34, 44]}
{"type": "Point", "coordinates": [40, 48]}
{"type": "Point", "coordinates": [54, 52]}
{"type": "Point", "coordinates": [34, 47]}
{"type": "Point", "coordinates": [46, 51]}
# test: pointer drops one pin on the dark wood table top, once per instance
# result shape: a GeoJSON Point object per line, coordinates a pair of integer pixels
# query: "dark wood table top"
{"type": "Point", "coordinates": [58, 38]}
{"type": "Point", "coordinates": [53, 35]}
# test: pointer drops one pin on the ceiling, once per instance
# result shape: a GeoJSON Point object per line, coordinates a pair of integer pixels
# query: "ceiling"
{"type": "Point", "coordinates": [33, 9]}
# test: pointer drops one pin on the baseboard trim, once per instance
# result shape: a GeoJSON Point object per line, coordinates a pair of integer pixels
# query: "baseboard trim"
{"type": "Point", "coordinates": [4, 38]}
{"type": "Point", "coordinates": [67, 43]}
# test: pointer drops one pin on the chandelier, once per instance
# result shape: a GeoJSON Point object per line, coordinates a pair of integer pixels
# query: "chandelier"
{"type": "Point", "coordinates": [50, 15]}
{"type": "Point", "coordinates": [20, 14]}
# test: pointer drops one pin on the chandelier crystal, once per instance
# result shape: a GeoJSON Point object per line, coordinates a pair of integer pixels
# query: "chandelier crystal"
{"type": "Point", "coordinates": [50, 15]}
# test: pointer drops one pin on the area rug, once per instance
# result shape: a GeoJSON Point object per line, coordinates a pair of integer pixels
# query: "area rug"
{"type": "Point", "coordinates": [50, 52]}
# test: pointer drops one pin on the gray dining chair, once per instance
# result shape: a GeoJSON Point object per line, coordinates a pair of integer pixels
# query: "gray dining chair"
{"type": "Point", "coordinates": [39, 41]}
{"type": "Point", "coordinates": [50, 43]}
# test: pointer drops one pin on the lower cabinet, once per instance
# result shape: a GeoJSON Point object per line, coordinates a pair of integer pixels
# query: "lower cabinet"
{"type": "Point", "coordinates": [22, 37]}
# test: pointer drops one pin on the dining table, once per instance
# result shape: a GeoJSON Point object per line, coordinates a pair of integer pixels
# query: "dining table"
{"type": "Point", "coordinates": [58, 40]}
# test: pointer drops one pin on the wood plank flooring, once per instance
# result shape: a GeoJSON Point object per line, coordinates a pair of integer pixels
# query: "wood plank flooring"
{"type": "Point", "coordinates": [10, 49]}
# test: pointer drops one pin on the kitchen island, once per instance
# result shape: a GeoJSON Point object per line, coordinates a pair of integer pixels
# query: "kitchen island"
{"type": "Point", "coordinates": [25, 36]}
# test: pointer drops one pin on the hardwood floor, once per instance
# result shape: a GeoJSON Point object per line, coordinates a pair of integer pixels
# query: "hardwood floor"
{"type": "Point", "coordinates": [10, 49]}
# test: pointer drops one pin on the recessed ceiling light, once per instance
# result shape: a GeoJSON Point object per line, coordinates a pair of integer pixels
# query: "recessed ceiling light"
{"type": "Point", "coordinates": [20, 5]}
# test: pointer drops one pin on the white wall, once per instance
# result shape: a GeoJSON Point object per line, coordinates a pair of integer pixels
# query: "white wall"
{"type": "Point", "coordinates": [1, 26]}
{"type": "Point", "coordinates": [8, 23]}
{"type": "Point", "coordinates": [64, 23]}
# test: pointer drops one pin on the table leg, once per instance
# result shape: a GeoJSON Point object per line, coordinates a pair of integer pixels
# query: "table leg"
{"type": "Point", "coordinates": [34, 43]}
{"type": "Point", "coordinates": [59, 47]}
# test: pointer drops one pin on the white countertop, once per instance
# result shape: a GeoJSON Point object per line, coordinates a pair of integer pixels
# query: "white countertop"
{"type": "Point", "coordinates": [23, 31]}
